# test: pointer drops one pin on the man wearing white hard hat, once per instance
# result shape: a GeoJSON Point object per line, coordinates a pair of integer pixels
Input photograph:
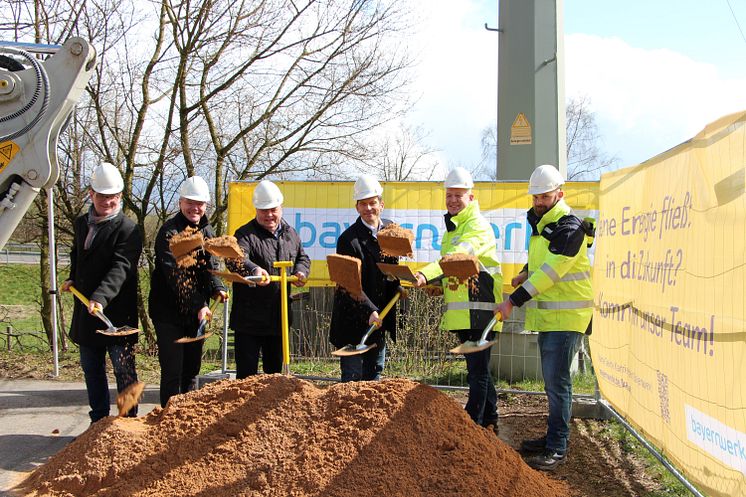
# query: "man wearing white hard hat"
{"type": "Point", "coordinates": [555, 287]}
{"type": "Point", "coordinates": [469, 306]}
{"type": "Point", "coordinates": [350, 317]}
{"type": "Point", "coordinates": [103, 267]}
{"type": "Point", "coordinates": [180, 294]}
{"type": "Point", "coordinates": [255, 313]}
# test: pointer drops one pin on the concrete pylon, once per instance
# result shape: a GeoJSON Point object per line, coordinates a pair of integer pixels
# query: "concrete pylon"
{"type": "Point", "coordinates": [531, 94]}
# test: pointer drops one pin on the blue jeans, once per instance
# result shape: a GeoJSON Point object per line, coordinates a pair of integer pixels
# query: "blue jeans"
{"type": "Point", "coordinates": [364, 367]}
{"type": "Point", "coordinates": [557, 349]}
{"type": "Point", "coordinates": [482, 403]}
{"type": "Point", "coordinates": [93, 362]}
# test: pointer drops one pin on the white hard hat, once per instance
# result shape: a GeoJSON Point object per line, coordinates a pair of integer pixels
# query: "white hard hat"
{"type": "Point", "coordinates": [195, 188]}
{"type": "Point", "coordinates": [545, 179]}
{"type": "Point", "coordinates": [106, 179]}
{"type": "Point", "coordinates": [459, 178]}
{"type": "Point", "coordinates": [267, 195]}
{"type": "Point", "coordinates": [366, 186]}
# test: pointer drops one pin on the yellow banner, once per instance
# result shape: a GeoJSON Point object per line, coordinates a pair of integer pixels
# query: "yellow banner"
{"type": "Point", "coordinates": [321, 211]}
{"type": "Point", "coordinates": [669, 344]}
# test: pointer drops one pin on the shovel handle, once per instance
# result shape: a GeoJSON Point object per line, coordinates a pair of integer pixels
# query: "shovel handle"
{"type": "Point", "coordinates": [497, 317]}
{"type": "Point", "coordinates": [373, 327]}
{"type": "Point", "coordinates": [203, 322]}
{"type": "Point", "coordinates": [99, 314]}
{"type": "Point", "coordinates": [80, 296]}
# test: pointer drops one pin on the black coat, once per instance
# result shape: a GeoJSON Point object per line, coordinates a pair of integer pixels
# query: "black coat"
{"type": "Point", "coordinates": [256, 310]}
{"type": "Point", "coordinates": [178, 293]}
{"type": "Point", "coordinates": [349, 316]}
{"type": "Point", "coordinates": [106, 273]}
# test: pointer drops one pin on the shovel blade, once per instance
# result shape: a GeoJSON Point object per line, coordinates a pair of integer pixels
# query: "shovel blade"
{"type": "Point", "coordinates": [349, 350]}
{"type": "Point", "coordinates": [469, 346]}
{"type": "Point", "coordinates": [122, 331]}
{"type": "Point", "coordinates": [203, 336]}
{"type": "Point", "coordinates": [130, 397]}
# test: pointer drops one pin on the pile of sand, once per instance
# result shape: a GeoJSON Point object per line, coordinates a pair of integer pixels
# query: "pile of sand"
{"type": "Point", "coordinates": [279, 436]}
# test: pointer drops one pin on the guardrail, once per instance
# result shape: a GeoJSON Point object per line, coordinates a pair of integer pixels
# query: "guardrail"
{"type": "Point", "coordinates": [23, 253]}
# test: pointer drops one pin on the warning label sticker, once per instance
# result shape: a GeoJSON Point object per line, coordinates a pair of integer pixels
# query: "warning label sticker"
{"type": "Point", "coordinates": [7, 151]}
{"type": "Point", "coordinates": [520, 131]}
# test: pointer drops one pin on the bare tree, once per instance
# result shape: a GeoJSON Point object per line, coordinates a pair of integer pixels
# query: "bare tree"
{"type": "Point", "coordinates": [403, 155]}
{"type": "Point", "coordinates": [585, 160]}
{"type": "Point", "coordinates": [486, 166]}
{"type": "Point", "coordinates": [237, 90]}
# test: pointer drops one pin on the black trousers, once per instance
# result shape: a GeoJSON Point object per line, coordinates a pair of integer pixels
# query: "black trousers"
{"type": "Point", "coordinates": [180, 362]}
{"type": "Point", "coordinates": [247, 350]}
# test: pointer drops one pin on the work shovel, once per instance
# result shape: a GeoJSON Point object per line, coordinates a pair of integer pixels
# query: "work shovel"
{"type": "Point", "coordinates": [404, 274]}
{"type": "Point", "coordinates": [361, 347]}
{"type": "Point", "coordinates": [201, 335]}
{"type": "Point", "coordinates": [110, 330]}
{"type": "Point", "coordinates": [470, 346]}
{"type": "Point", "coordinates": [237, 278]}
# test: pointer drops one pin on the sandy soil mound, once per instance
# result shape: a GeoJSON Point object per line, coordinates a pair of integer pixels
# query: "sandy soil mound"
{"type": "Point", "coordinates": [279, 436]}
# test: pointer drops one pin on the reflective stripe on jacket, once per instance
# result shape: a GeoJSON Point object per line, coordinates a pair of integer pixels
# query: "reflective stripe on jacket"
{"type": "Point", "coordinates": [469, 305]}
{"type": "Point", "coordinates": [559, 282]}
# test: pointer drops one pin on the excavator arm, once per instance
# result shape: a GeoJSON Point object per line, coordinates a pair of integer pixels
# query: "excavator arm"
{"type": "Point", "coordinates": [36, 99]}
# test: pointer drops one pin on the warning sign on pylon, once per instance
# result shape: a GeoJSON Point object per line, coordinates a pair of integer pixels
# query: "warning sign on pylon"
{"type": "Point", "coordinates": [7, 151]}
{"type": "Point", "coordinates": [520, 131]}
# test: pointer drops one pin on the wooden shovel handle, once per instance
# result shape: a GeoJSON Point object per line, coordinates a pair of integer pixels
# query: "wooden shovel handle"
{"type": "Point", "coordinates": [80, 296]}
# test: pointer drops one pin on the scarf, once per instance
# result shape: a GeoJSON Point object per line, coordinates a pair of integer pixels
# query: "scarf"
{"type": "Point", "coordinates": [94, 224]}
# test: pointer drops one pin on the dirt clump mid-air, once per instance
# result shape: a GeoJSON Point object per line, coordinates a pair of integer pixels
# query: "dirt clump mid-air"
{"type": "Point", "coordinates": [274, 435]}
{"type": "Point", "coordinates": [460, 269]}
{"type": "Point", "coordinates": [395, 241]}
{"type": "Point", "coordinates": [224, 246]}
{"type": "Point", "coordinates": [184, 243]}
{"type": "Point", "coordinates": [130, 397]}
{"type": "Point", "coordinates": [344, 270]}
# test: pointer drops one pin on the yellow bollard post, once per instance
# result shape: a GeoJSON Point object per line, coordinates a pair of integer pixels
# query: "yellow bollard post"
{"type": "Point", "coordinates": [285, 327]}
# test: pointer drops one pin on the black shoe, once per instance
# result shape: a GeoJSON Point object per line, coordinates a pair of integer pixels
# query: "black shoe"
{"type": "Point", "coordinates": [492, 426]}
{"type": "Point", "coordinates": [534, 446]}
{"type": "Point", "coordinates": [548, 461]}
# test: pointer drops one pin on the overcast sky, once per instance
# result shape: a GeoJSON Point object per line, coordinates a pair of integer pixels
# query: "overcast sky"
{"type": "Point", "coordinates": [656, 72]}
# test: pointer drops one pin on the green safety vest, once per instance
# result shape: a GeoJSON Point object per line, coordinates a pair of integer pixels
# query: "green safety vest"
{"type": "Point", "coordinates": [560, 285]}
{"type": "Point", "coordinates": [470, 306]}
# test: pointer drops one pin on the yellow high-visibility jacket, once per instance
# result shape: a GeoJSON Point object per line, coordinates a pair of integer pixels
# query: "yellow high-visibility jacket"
{"type": "Point", "coordinates": [558, 293]}
{"type": "Point", "coordinates": [469, 306]}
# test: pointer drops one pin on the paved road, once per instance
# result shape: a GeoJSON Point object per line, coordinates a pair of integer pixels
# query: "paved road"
{"type": "Point", "coordinates": [38, 418]}
{"type": "Point", "coordinates": [10, 256]}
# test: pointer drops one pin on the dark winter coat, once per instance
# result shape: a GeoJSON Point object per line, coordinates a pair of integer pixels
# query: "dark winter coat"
{"type": "Point", "coordinates": [349, 316]}
{"type": "Point", "coordinates": [178, 293]}
{"type": "Point", "coordinates": [256, 310]}
{"type": "Point", "coordinates": [106, 273]}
